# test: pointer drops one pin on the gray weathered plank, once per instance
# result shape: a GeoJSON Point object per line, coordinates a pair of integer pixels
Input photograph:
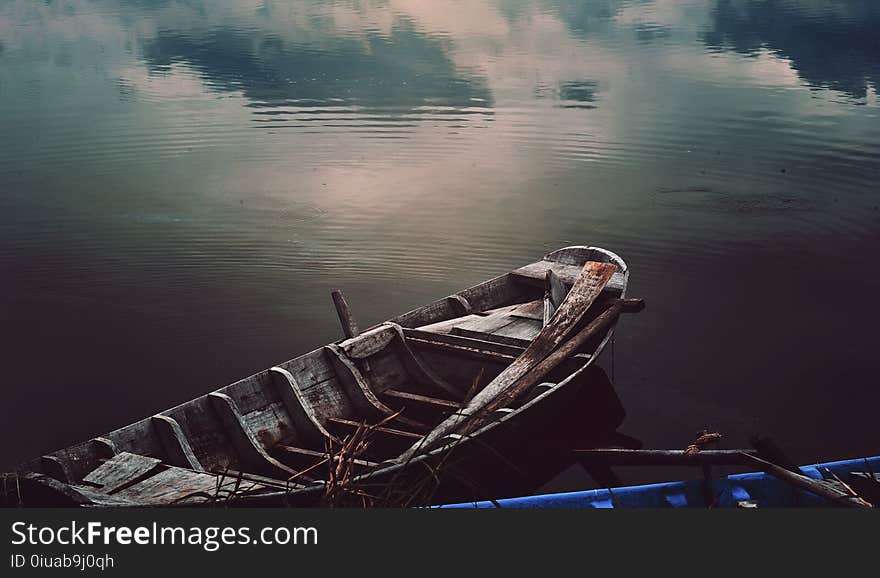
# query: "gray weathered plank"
{"type": "Point", "coordinates": [423, 399]}
{"type": "Point", "coordinates": [493, 337]}
{"type": "Point", "coordinates": [368, 343]}
{"type": "Point", "coordinates": [522, 329]}
{"type": "Point", "coordinates": [174, 485]}
{"type": "Point", "coordinates": [460, 341]}
{"type": "Point", "coordinates": [121, 470]}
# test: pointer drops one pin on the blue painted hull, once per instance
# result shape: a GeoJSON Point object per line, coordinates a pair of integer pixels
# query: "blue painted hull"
{"type": "Point", "coordinates": [759, 487]}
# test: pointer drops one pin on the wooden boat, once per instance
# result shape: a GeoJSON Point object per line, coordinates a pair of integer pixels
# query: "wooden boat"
{"type": "Point", "coordinates": [467, 375]}
{"type": "Point", "coordinates": [747, 490]}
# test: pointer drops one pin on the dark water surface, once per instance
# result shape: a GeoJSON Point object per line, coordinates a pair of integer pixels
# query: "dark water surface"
{"type": "Point", "coordinates": [183, 182]}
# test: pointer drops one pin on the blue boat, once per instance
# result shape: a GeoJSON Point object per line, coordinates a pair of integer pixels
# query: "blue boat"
{"type": "Point", "coordinates": [736, 490]}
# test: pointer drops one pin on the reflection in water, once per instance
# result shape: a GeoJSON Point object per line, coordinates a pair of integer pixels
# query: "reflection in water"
{"type": "Point", "coordinates": [830, 44]}
{"type": "Point", "coordinates": [403, 71]}
{"type": "Point", "coordinates": [153, 245]}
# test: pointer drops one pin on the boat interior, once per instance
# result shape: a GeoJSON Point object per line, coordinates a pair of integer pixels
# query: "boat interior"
{"type": "Point", "coordinates": [278, 428]}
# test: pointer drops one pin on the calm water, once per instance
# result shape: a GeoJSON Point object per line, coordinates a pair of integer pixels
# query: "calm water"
{"type": "Point", "coordinates": [183, 182]}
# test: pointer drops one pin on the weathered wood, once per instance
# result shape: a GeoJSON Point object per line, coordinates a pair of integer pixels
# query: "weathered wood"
{"type": "Point", "coordinates": [817, 487]}
{"type": "Point", "coordinates": [308, 426]}
{"type": "Point", "coordinates": [423, 399]}
{"type": "Point", "coordinates": [175, 485]}
{"type": "Point", "coordinates": [381, 429]}
{"type": "Point", "coordinates": [522, 330]}
{"type": "Point", "coordinates": [43, 490]}
{"type": "Point", "coordinates": [177, 447]}
{"type": "Point", "coordinates": [535, 274]}
{"type": "Point", "coordinates": [360, 393]}
{"type": "Point", "coordinates": [588, 287]}
{"type": "Point", "coordinates": [460, 304]}
{"type": "Point", "coordinates": [232, 475]}
{"type": "Point", "coordinates": [462, 343]}
{"type": "Point", "coordinates": [538, 371]}
{"type": "Point", "coordinates": [246, 444]}
{"type": "Point", "coordinates": [349, 325]}
{"type": "Point", "coordinates": [122, 470]}
{"type": "Point", "coordinates": [464, 348]}
{"type": "Point", "coordinates": [418, 369]}
{"type": "Point", "coordinates": [493, 337]}
{"type": "Point", "coordinates": [554, 293]}
{"type": "Point", "coordinates": [628, 457]}
{"type": "Point", "coordinates": [103, 448]}
{"type": "Point", "coordinates": [369, 342]}
{"type": "Point", "coordinates": [269, 410]}
{"type": "Point", "coordinates": [56, 468]}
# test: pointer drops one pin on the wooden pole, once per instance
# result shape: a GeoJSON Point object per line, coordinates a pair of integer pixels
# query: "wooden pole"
{"type": "Point", "coordinates": [586, 289]}
{"type": "Point", "coordinates": [624, 457]}
{"type": "Point", "coordinates": [814, 486]}
{"type": "Point", "coordinates": [349, 325]}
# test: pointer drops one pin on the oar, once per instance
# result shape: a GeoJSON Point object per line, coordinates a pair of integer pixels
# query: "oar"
{"type": "Point", "coordinates": [587, 287]}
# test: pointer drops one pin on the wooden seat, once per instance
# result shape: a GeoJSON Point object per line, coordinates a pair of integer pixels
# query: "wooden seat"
{"type": "Point", "coordinates": [121, 471]}
{"type": "Point", "coordinates": [481, 349]}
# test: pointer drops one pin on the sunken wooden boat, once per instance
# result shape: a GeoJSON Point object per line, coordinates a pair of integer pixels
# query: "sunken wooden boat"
{"type": "Point", "coordinates": [426, 406]}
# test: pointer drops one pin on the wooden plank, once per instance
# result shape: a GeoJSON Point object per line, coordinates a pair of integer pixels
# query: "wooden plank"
{"type": "Point", "coordinates": [535, 274]}
{"type": "Point", "coordinates": [385, 430]}
{"type": "Point", "coordinates": [246, 444]}
{"type": "Point", "coordinates": [173, 486]}
{"type": "Point", "coordinates": [566, 351]}
{"type": "Point", "coordinates": [368, 343]}
{"type": "Point", "coordinates": [311, 370]}
{"type": "Point", "coordinates": [522, 329]}
{"type": "Point", "coordinates": [346, 319]}
{"type": "Point", "coordinates": [628, 457]}
{"type": "Point", "coordinates": [529, 310]}
{"type": "Point", "coordinates": [122, 470]}
{"type": "Point", "coordinates": [305, 420]}
{"type": "Point", "coordinates": [817, 487]}
{"type": "Point", "coordinates": [460, 341]}
{"type": "Point", "coordinates": [423, 399]}
{"type": "Point", "coordinates": [177, 447]}
{"type": "Point", "coordinates": [588, 287]}
{"type": "Point", "coordinates": [478, 353]}
{"type": "Point", "coordinates": [497, 292]}
{"type": "Point", "coordinates": [494, 337]}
